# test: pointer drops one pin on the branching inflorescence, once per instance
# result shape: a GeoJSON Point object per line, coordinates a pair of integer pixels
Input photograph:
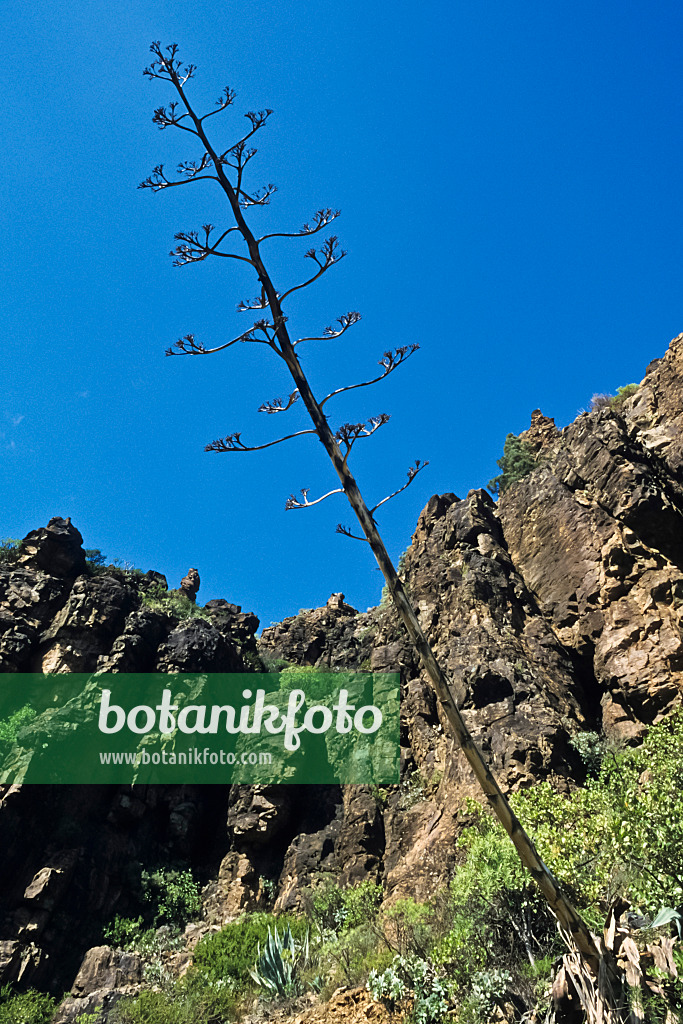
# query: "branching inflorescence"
{"type": "Point", "coordinates": [194, 246]}
{"type": "Point", "coordinates": [227, 168]}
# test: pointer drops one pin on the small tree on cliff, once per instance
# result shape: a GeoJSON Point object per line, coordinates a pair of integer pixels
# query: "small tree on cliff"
{"type": "Point", "coordinates": [227, 167]}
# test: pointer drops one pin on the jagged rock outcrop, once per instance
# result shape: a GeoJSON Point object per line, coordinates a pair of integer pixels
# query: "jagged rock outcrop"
{"type": "Point", "coordinates": [67, 853]}
{"type": "Point", "coordinates": [189, 585]}
{"type": "Point", "coordinates": [105, 976]}
{"type": "Point", "coordinates": [520, 691]}
{"type": "Point", "coordinates": [555, 611]}
{"type": "Point", "coordinates": [597, 533]}
{"type": "Point", "coordinates": [323, 637]}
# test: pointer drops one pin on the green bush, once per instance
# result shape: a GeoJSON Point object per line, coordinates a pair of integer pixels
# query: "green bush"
{"type": "Point", "coordinates": [9, 549]}
{"type": "Point", "coordinates": [231, 953]}
{"type": "Point", "coordinates": [604, 401]}
{"type": "Point", "coordinates": [417, 928]}
{"type": "Point", "coordinates": [94, 557]}
{"type": "Point", "coordinates": [591, 749]}
{"type": "Point", "coordinates": [517, 460]}
{"type": "Point", "coordinates": [124, 932]}
{"type": "Point", "coordinates": [172, 603]}
{"type": "Point", "coordinates": [9, 727]}
{"type": "Point", "coordinates": [415, 977]}
{"type": "Point", "coordinates": [191, 1000]}
{"type": "Point", "coordinates": [313, 681]}
{"type": "Point", "coordinates": [348, 958]}
{"type": "Point", "coordinates": [339, 909]}
{"type": "Point", "coordinates": [26, 1007]}
{"type": "Point", "coordinates": [620, 834]}
{"type": "Point", "coordinates": [173, 893]}
{"type": "Point", "coordinates": [496, 915]}
{"type": "Point", "coordinates": [622, 394]}
{"type": "Point", "coordinates": [623, 832]}
{"type": "Point", "coordinates": [493, 937]}
{"type": "Point", "coordinates": [645, 788]}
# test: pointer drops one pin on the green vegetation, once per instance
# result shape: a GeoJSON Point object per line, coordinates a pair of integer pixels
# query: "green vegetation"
{"type": "Point", "coordinates": [339, 910]}
{"type": "Point", "coordinates": [9, 549]}
{"type": "Point", "coordinates": [280, 965]}
{"type": "Point", "coordinates": [604, 401]}
{"type": "Point", "coordinates": [172, 603]}
{"type": "Point", "coordinates": [517, 460]}
{"type": "Point", "coordinates": [26, 1007]}
{"type": "Point", "coordinates": [485, 941]}
{"type": "Point", "coordinates": [622, 394]}
{"type": "Point", "coordinates": [94, 557]}
{"type": "Point", "coordinates": [491, 938]}
{"type": "Point", "coordinates": [230, 955]}
{"type": "Point", "coordinates": [169, 897]}
{"type": "Point", "coordinates": [414, 976]}
{"type": "Point", "coordinates": [191, 1000]}
{"type": "Point", "coordinates": [9, 727]}
{"type": "Point", "coordinates": [173, 893]}
{"type": "Point", "coordinates": [124, 932]}
{"type": "Point", "coordinates": [314, 681]}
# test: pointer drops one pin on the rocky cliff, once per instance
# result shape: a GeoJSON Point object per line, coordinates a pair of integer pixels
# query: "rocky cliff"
{"type": "Point", "coordinates": [555, 611]}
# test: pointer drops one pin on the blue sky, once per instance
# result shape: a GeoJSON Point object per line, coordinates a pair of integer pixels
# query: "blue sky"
{"type": "Point", "coordinates": [509, 180]}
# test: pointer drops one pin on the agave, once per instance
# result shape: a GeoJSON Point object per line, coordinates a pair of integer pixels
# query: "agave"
{"type": "Point", "coordinates": [277, 967]}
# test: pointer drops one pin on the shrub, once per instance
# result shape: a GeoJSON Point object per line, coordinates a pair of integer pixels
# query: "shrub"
{"type": "Point", "coordinates": [496, 914]}
{"type": "Point", "coordinates": [191, 1000]}
{"type": "Point", "coordinates": [645, 787]}
{"type": "Point", "coordinates": [517, 460]}
{"type": "Point", "coordinates": [231, 953]}
{"type": "Point", "coordinates": [488, 988]}
{"type": "Point", "coordinates": [173, 893]}
{"type": "Point", "coordinates": [411, 975]}
{"type": "Point", "coordinates": [9, 727]}
{"type": "Point", "coordinates": [604, 401]}
{"type": "Point", "coordinates": [341, 909]}
{"type": "Point", "coordinates": [348, 958]}
{"type": "Point", "coordinates": [622, 394]}
{"type": "Point", "coordinates": [313, 681]}
{"type": "Point", "coordinates": [94, 557]}
{"type": "Point", "coordinates": [26, 1007]}
{"type": "Point", "coordinates": [416, 928]}
{"type": "Point", "coordinates": [591, 749]}
{"type": "Point", "coordinates": [124, 932]}
{"type": "Point", "coordinates": [600, 401]}
{"type": "Point", "coordinates": [620, 834]}
{"type": "Point", "coordinates": [172, 603]}
{"type": "Point", "coordinates": [9, 549]}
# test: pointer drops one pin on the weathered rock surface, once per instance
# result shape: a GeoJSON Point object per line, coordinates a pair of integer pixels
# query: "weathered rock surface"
{"type": "Point", "coordinates": [189, 585]}
{"type": "Point", "coordinates": [56, 549]}
{"type": "Point", "coordinates": [68, 855]}
{"type": "Point", "coordinates": [597, 533]}
{"type": "Point", "coordinates": [105, 976]}
{"type": "Point", "coordinates": [555, 611]}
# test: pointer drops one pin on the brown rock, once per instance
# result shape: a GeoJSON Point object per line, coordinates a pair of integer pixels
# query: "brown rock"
{"type": "Point", "coordinates": [55, 549]}
{"type": "Point", "coordinates": [235, 891]}
{"type": "Point", "coordinates": [597, 533]}
{"type": "Point", "coordinates": [189, 585]}
{"type": "Point", "coordinates": [104, 968]}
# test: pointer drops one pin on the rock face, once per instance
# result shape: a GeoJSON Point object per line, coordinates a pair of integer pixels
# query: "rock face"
{"type": "Point", "coordinates": [555, 611]}
{"type": "Point", "coordinates": [597, 533]}
{"type": "Point", "coordinates": [189, 585]}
